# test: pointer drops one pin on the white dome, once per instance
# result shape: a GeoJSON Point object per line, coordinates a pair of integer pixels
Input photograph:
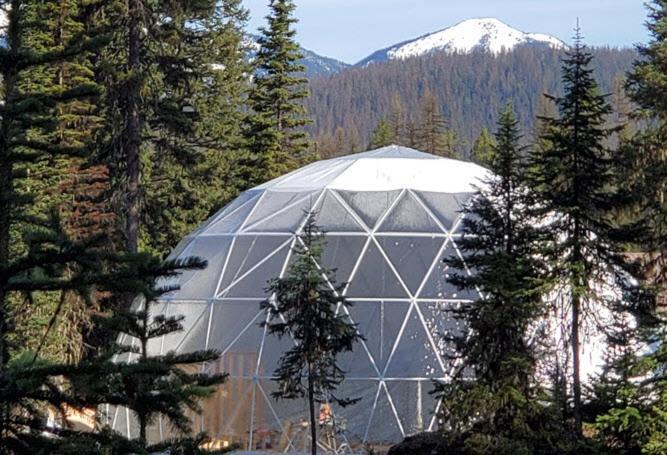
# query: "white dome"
{"type": "Point", "coordinates": [390, 217]}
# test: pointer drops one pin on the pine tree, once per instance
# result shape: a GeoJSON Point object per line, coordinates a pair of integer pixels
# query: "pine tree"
{"type": "Point", "coordinates": [573, 178]}
{"type": "Point", "coordinates": [432, 130]}
{"type": "Point", "coordinates": [277, 141]}
{"type": "Point", "coordinates": [155, 71]}
{"type": "Point", "coordinates": [37, 253]}
{"type": "Point", "coordinates": [382, 136]}
{"type": "Point", "coordinates": [308, 306]}
{"type": "Point", "coordinates": [71, 185]}
{"type": "Point", "coordinates": [633, 420]}
{"type": "Point", "coordinates": [482, 150]}
{"type": "Point", "coordinates": [196, 139]}
{"type": "Point", "coordinates": [494, 401]}
{"type": "Point", "coordinates": [149, 385]}
{"type": "Point", "coordinates": [398, 119]}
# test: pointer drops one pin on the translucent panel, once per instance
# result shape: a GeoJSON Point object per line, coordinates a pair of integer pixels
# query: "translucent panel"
{"type": "Point", "coordinates": [279, 425]}
{"type": "Point", "coordinates": [182, 245]}
{"type": "Point", "coordinates": [394, 151]}
{"type": "Point", "coordinates": [226, 414]}
{"type": "Point", "coordinates": [384, 427]}
{"type": "Point", "coordinates": [333, 217]}
{"type": "Point", "coordinates": [442, 324]}
{"type": "Point", "coordinates": [241, 356]}
{"type": "Point", "coordinates": [195, 326]}
{"type": "Point", "coordinates": [287, 220]}
{"type": "Point", "coordinates": [414, 355]}
{"type": "Point", "coordinates": [438, 286]}
{"type": "Point", "coordinates": [232, 220]}
{"type": "Point", "coordinates": [379, 322]}
{"type": "Point", "coordinates": [230, 319]}
{"type": "Point", "coordinates": [352, 421]}
{"type": "Point", "coordinates": [446, 207]}
{"type": "Point", "coordinates": [409, 216]}
{"type": "Point", "coordinates": [255, 283]}
{"type": "Point", "coordinates": [464, 198]}
{"type": "Point", "coordinates": [414, 404]}
{"type": "Point", "coordinates": [275, 201]}
{"type": "Point", "coordinates": [369, 205]}
{"type": "Point", "coordinates": [238, 209]}
{"type": "Point", "coordinates": [341, 252]}
{"type": "Point", "coordinates": [247, 252]}
{"type": "Point", "coordinates": [374, 278]}
{"type": "Point", "coordinates": [272, 351]}
{"type": "Point", "coordinates": [202, 283]}
{"type": "Point", "coordinates": [411, 256]}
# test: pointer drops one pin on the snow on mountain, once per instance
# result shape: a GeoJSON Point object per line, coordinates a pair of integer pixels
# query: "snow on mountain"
{"type": "Point", "coordinates": [487, 34]}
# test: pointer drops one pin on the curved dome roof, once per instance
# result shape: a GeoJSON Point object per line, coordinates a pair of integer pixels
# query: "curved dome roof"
{"type": "Point", "coordinates": [390, 216]}
{"type": "Point", "coordinates": [384, 169]}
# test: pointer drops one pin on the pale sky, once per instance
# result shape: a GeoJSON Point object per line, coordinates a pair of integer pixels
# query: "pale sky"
{"type": "Point", "coordinates": [349, 30]}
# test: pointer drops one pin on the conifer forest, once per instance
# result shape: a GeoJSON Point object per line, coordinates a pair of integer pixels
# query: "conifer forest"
{"type": "Point", "coordinates": [135, 134]}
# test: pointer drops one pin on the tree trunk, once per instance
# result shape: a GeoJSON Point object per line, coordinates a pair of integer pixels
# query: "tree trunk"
{"type": "Point", "coordinates": [576, 379]}
{"type": "Point", "coordinates": [132, 139]}
{"type": "Point", "coordinates": [313, 423]}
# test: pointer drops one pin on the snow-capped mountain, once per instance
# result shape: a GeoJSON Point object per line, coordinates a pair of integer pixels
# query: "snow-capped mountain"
{"type": "Point", "coordinates": [487, 34]}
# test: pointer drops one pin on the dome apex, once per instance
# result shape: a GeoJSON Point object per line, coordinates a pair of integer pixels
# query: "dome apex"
{"type": "Point", "coordinates": [384, 169]}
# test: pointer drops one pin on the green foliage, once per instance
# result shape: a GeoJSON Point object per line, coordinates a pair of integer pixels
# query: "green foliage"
{"type": "Point", "coordinates": [383, 136]}
{"type": "Point", "coordinates": [308, 306]}
{"type": "Point", "coordinates": [277, 141]}
{"type": "Point", "coordinates": [432, 134]}
{"type": "Point", "coordinates": [482, 149]}
{"type": "Point", "coordinates": [493, 403]}
{"type": "Point", "coordinates": [469, 89]}
{"type": "Point", "coordinates": [196, 141]}
{"type": "Point", "coordinates": [573, 177]}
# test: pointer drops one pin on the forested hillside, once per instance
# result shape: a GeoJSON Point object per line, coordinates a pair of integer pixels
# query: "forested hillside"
{"type": "Point", "coordinates": [469, 88]}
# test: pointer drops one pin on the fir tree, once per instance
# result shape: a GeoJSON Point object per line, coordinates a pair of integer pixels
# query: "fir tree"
{"type": "Point", "coordinates": [156, 72]}
{"type": "Point", "coordinates": [71, 185]}
{"type": "Point", "coordinates": [482, 149]}
{"type": "Point", "coordinates": [432, 130]}
{"type": "Point", "coordinates": [189, 169]}
{"type": "Point", "coordinates": [634, 416]}
{"type": "Point", "coordinates": [308, 306]}
{"type": "Point", "coordinates": [277, 141]}
{"type": "Point", "coordinates": [493, 403]}
{"type": "Point", "coordinates": [573, 178]}
{"type": "Point", "coordinates": [382, 136]}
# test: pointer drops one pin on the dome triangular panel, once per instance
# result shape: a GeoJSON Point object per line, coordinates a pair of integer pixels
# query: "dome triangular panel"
{"type": "Point", "coordinates": [374, 278]}
{"type": "Point", "coordinates": [369, 206]}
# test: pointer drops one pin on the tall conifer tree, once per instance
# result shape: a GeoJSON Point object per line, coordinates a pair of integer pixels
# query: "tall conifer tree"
{"type": "Point", "coordinates": [277, 141]}
{"type": "Point", "coordinates": [308, 305]}
{"type": "Point", "coordinates": [493, 403]}
{"type": "Point", "coordinates": [573, 178]}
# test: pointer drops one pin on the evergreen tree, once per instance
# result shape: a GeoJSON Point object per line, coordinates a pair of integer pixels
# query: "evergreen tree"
{"type": "Point", "coordinates": [190, 174]}
{"type": "Point", "coordinates": [155, 71]}
{"type": "Point", "coordinates": [482, 150]}
{"type": "Point", "coordinates": [573, 178]}
{"type": "Point", "coordinates": [149, 385]}
{"type": "Point", "coordinates": [634, 418]}
{"type": "Point", "coordinates": [71, 185]}
{"type": "Point", "coordinates": [432, 128]}
{"type": "Point", "coordinates": [494, 403]}
{"type": "Point", "coordinates": [382, 136]}
{"type": "Point", "coordinates": [277, 141]}
{"type": "Point", "coordinates": [398, 119]}
{"type": "Point", "coordinates": [308, 306]}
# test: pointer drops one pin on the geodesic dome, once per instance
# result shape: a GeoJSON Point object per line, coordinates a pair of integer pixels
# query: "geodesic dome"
{"type": "Point", "coordinates": [390, 216]}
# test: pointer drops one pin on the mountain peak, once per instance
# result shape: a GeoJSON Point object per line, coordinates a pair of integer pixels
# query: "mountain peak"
{"type": "Point", "coordinates": [478, 34]}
